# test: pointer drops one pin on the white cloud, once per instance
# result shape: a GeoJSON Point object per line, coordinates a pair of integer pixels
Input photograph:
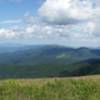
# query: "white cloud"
{"type": "Point", "coordinates": [35, 30]}
{"type": "Point", "coordinates": [7, 33]}
{"type": "Point", "coordinates": [66, 11]}
{"type": "Point", "coordinates": [97, 2]}
{"type": "Point", "coordinates": [96, 20]}
{"type": "Point", "coordinates": [66, 20]}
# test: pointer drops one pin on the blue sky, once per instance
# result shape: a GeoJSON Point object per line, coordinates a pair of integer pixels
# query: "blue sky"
{"type": "Point", "coordinates": [11, 9]}
{"type": "Point", "coordinates": [65, 22]}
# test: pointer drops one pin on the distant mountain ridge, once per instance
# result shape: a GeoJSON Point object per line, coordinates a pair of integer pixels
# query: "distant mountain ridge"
{"type": "Point", "coordinates": [48, 60]}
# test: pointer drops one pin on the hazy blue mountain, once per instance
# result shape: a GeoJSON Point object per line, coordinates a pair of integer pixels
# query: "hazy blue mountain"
{"type": "Point", "coordinates": [46, 60]}
{"type": "Point", "coordinates": [9, 47]}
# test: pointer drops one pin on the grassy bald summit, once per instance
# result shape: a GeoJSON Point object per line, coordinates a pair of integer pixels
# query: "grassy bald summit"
{"type": "Point", "coordinates": [48, 61]}
{"type": "Point", "coordinates": [77, 88]}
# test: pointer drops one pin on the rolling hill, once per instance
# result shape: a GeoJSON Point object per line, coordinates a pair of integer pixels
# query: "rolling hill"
{"type": "Point", "coordinates": [49, 61]}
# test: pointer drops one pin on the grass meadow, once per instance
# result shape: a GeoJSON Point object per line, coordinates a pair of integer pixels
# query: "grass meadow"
{"type": "Point", "coordinates": [78, 88]}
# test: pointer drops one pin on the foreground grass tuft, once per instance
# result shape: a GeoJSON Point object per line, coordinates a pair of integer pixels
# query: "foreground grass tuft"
{"type": "Point", "coordinates": [51, 89]}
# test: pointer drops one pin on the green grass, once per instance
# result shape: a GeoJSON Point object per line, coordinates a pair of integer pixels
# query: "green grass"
{"type": "Point", "coordinates": [78, 88]}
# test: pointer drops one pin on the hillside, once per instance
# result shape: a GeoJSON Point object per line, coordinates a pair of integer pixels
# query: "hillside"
{"type": "Point", "coordinates": [77, 88]}
{"type": "Point", "coordinates": [87, 67]}
{"type": "Point", "coordinates": [49, 61]}
{"type": "Point", "coordinates": [48, 54]}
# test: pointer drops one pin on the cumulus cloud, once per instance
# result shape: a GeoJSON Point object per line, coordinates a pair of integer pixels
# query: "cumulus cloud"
{"type": "Point", "coordinates": [6, 33]}
{"type": "Point", "coordinates": [80, 32]}
{"type": "Point", "coordinates": [75, 21]}
{"type": "Point", "coordinates": [96, 20]}
{"type": "Point", "coordinates": [96, 3]}
{"type": "Point", "coordinates": [66, 11]}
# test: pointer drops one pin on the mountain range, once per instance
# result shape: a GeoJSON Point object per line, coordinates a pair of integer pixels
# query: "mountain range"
{"type": "Point", "coordinates": [48, 61]}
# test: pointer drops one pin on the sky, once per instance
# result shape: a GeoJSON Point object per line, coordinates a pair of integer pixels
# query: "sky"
{"type": "Point", "coordinates": [63, 22]}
